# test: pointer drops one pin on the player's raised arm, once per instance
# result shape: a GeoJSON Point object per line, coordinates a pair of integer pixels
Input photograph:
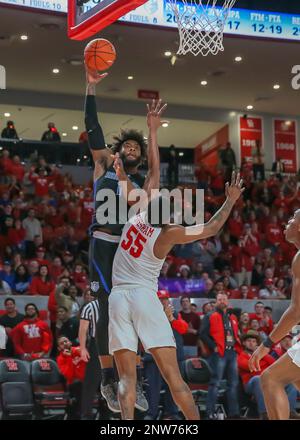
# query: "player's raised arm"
{"type": "Point", "coordinates": [180, 235]}
{"type": "Point", "coordinates": [95, 134]}
{"type": "Point", "coordinates": [154, 122]}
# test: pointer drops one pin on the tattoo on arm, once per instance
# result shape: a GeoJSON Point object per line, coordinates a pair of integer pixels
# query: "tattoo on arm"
{"type": "Point", "coordinates": [218, 220]}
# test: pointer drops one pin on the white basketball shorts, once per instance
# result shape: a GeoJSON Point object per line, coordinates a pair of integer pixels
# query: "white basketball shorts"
{"type": "Point", "coordinates": [137, 313]}
{"type": "Point", "coordinates": [294, 353]}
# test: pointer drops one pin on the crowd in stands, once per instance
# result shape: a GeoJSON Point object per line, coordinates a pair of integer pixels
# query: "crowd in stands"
{"type": "Point", "coordinates": [44, 220]}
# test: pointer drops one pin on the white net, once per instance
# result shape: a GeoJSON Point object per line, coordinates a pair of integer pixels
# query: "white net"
{"type": "Point", "coordinates": [201, 25]}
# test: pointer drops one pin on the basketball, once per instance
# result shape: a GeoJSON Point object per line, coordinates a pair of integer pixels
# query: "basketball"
{"type": "Point", "coordinates": [99, 54]}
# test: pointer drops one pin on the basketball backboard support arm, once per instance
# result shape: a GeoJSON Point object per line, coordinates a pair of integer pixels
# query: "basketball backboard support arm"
{"type": "Point", "coordinates": [84, 24]}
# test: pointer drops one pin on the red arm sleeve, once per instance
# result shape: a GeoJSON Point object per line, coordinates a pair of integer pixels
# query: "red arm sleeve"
{"type": "Point", "coordinates": [47, 339]}
{"type": "Point", "coordinates": [52, 304]}
{"type": "Point", "coordinates": [180, 326]}
{"type": "Point", "coordinates": [17, 339]}
{"type": "Point", "coordinates": [243, 362]}
{"type": "Point", "coordinates": [33, 288]}
{"type": "Point", "coordinates": [65, 366]}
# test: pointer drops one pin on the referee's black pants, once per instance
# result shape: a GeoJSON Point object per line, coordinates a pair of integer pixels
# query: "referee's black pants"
{"type": "Point", "coordinates": [91, 381]}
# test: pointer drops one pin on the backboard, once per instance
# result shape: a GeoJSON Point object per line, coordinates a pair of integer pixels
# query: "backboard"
{"type": "Point", "coordinates": [87, 17]}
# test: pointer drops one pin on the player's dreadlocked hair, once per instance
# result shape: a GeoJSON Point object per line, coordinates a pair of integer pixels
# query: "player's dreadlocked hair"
{"type": "Point", "coordinates": [127, 135]}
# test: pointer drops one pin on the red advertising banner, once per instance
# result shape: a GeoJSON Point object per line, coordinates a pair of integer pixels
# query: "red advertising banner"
{"type": "Point", "coordinates": [285, 143]}
{"type": "Point", "coordinates": [207, 151]}
{"type": "Point", "coordinates": [250, 133]}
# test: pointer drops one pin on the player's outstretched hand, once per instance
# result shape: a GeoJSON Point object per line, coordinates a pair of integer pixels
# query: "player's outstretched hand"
{"type": "Point", "coordinates": [235, 189]}
{"type": "Point", "coordinates": [118, 166]}
{"type": "Point", "coordinates": [254, 361]}
{"type": "Point", "coordinates": [155, 111]}
{"type": "Point", "coordinates": [93, 77]}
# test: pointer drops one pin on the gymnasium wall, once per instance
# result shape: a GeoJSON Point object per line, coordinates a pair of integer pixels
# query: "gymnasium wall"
{"type": "Point", "coordinates": [115, 106]}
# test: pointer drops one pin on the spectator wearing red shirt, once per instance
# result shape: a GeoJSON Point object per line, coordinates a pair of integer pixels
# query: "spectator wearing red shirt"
{"type": "Point", "coordinates": [252, 381]}
{"type": "Point", "coordinates": [86, 208]}
{"type": "Point", "coordinates": [255, 231]}
{"type": "Point", "coordinates": [251, 243]}
{"type": "Point", "coordinates": [274, 233]}
{"type": "Point", "coordinates": [54, 218]}
{"type": "Point", "coordinates": [73, 213]}
{"type": "Point", "coordinates": [5, 163]}
{"type": "Point", "coordinates": [17, 169]}
{"type": "Point", "coordinates": [32, 337]}
{"type": "Point", "coordinates": [244, 323]}
{"type": "Point", "coordinates": [40, 257]}
{"type": "Point", "coordinates": [245, 292]}
{"type": "Point", "coordinates": [190, 339]}
{"type": "Point", "coordinates": [56, 269]}
{"type": "Point", "coordinates": [265, 321]}
{"type": "Point", "coordinates": [72, 367]}
{"type": "Point", "coordinates": [284, 202]}
{"type": "Point", "coordinates": [42, 284]}
{"type": "Point", "coordinates": [80, 276]}
{"type": "Point", "coordinates": [41, 182]}
{"type": "Point", "coordinates": [235, 224]}
{"type": "Point", "coordinates": [242, 262]}
{"type": "Point", "coordinates": [16, 236]}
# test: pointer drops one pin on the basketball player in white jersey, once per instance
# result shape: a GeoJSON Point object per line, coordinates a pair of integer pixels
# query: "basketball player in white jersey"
{"type": "Point", "coordinates": [286, 369]}
{"type": "Point", "coordinates": [134, 308]}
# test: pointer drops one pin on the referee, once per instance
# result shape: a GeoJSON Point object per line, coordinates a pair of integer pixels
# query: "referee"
{"type": "Point", "coordinates": [87, 333]}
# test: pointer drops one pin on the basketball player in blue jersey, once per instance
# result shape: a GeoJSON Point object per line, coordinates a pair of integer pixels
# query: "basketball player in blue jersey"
{"type": "Point", "coordinates": [131, 148]}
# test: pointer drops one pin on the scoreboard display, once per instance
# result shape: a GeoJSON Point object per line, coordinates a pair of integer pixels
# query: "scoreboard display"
{"type": "Point", "coordinates": [243, 22]}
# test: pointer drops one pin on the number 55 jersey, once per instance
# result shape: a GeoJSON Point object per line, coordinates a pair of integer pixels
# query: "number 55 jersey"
{"type": "Point", "coordinates": [135, 264]}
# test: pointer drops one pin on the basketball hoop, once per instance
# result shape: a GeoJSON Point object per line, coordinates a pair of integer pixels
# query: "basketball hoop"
{"type": "Point", "coordinates": [201, 25]}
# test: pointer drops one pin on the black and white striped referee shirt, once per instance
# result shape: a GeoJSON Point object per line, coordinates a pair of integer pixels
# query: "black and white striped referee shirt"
{"type": "Point", "coordinates": [90, 312]}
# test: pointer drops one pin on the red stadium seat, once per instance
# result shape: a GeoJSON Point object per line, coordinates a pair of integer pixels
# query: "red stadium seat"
{"type": "Point", "coordinates": [49, 389]}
